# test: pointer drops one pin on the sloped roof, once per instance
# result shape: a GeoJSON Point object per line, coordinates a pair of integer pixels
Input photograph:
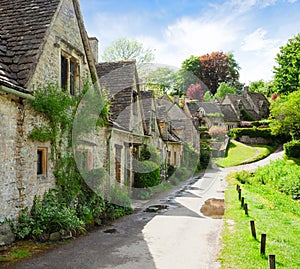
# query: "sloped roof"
{"type": "Point", "coordinates": [208, 107]}
{"type": "Point", "coordinates": [257, 96]}
{"type": "Point", "coordinates": [147, 97]}
{"type": "Point", "coordinates": [118, 79]}
{"type": "Point", "coordinates": [229, 113]}
{"type": "Point", "coordinates": [23, 28]}
{"type": "Point", "coordinates": [116, 76]}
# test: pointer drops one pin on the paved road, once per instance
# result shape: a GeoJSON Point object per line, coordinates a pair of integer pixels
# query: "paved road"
{"type": "Point", "coordinates": [178, 236]}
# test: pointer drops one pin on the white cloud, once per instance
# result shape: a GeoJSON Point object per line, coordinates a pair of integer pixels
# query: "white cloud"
{"type": "Point", "coordinates": [223, 27]}
{"type": "Point", "coordinates": [257, 41]}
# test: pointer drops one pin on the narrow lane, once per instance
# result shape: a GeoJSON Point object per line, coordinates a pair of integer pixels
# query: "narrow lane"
{"type": "Point", "coordinates": [171, 234]}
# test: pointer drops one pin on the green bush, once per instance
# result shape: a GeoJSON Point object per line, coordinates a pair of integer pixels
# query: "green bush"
{"type": "Point", "coordinates": [281, 175]}
{"type": "Point", "coordinates": [148, 175]}
{"type": "Point", "coordinates": [236, 133]}
{"type": "Point", "coordinates": [292, 148]}
{"type": "Point", "coordinates": [47, 216]}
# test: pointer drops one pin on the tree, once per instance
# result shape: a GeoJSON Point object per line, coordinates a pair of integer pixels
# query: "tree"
{"type": "Point", "coordinates": [207, 96]}
{"type": "Point", "coordinates": [285, 115]}
{"type": "Point", "coordinates": [126, 49]}
{"type": "Point", "coordinates": [192, 64]}
{"type": "Point", "coordinates": [218, 67]}
{"type": "Point", "coordinates": [161, 80]}
{"type": "Point", "coordinates": [212, 69]}
{"type": "Point", "coordinates": [287, 71]}
{"type": "Point", "coordinates": [260, 86]}
{"type": "Point", "coordinates": [195, 92]}
{"type": "Point", "coordinates": [224, 89]}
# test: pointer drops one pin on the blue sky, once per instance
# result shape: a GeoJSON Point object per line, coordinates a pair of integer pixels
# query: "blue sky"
{"type": "Point", "coordinates": [253, 30]}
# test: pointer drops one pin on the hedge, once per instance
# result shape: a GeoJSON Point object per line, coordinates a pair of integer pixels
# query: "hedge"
{"type": "Point", "coordinates": [292, 148]}
{"type": "Point", "coordinates": [236, 133]}
{"type": "Point", "coordinates": [149, 178]}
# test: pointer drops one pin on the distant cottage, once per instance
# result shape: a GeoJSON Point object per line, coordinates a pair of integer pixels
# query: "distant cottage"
{"type": "Point", "coordinates": [45, 43]}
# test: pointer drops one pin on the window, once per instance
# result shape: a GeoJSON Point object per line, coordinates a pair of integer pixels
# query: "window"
{"type": "Point", "coordinates": [69, 73]}
{"type": "Point", "coordinates": [42, 161]}
{"type": "Point", "coordinates": [175, 158]}
{"type": "Point", "coordinates": [118, 162]}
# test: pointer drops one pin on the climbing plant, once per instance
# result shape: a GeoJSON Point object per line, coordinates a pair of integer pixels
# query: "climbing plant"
{"type": "Point", "coordinates": [72, 194]}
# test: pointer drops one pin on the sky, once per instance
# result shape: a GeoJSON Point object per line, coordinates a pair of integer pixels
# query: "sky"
{"type": "Point", "coordinates": [253, 30]}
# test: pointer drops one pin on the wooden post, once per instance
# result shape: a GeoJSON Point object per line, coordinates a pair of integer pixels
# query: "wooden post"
{"type": "Point", "coordinates": [263, 244]}
{"type": "Point", "coordinates": [237, 187]}
{"type": "Point", "coordinates": [272, 263]}
{"type": "Point", "coordinates": [252, 224]}
{"type": "Point", "coordinates": [246, 208]}
{"type": "Point", "coordinates": [240, 194]}
{"type": "Point", "coordinates": [243, 202]}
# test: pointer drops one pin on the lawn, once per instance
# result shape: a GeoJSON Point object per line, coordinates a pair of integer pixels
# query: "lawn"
{"type": "Point", "coordinates": [239, 153]}
{"type": "Point", "coordinates": [275, 214]}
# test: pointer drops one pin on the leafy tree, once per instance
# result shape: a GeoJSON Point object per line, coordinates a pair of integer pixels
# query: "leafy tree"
{"type": "Point", "coordinates": [224, 89]}
{"type": "Point", "coordinates": [287, 71]}
{"type": "Point", "coordinates": [260, 86]}
{"type": "Point", "coordinates": [186, 78]}
{"type": "Point", "coordinates": [285, 115]}
{"type": "Point", "coordinates": [212, 69]}
{"type": "Point", "coordinates": [207, 96]}
{"type": "Point", "coordinates": [195, 92]}
{"type": "Point", "coordinates": [126, 49]}
{"type": "Point", "coordinates": [192, 64]}
{"type": "Point", "coordinates": [218, 67]}
{"type": "Point", "coordinates": [161, 81]}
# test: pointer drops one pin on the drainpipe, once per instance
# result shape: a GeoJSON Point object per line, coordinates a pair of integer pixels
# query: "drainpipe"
{"type": "Point", "coordinates": [17, 93]}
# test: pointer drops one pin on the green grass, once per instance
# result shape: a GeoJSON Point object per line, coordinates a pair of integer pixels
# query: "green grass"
{"type": "Point", "coordinates": [15, 254]}
{"type": "Point", "coordinates": [275, 214]}
{"type": "Point", "coordinates": [263, 152]}
{"type": "Point", "coordinates": [237, 154]}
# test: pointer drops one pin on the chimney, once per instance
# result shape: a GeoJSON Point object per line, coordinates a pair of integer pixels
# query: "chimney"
{"type": "Point", "coordinates": [246, 90]}
{"type": "Point", "coordinates": [176, 99]}
{"type": "Point", "coordinates": [94, 47]}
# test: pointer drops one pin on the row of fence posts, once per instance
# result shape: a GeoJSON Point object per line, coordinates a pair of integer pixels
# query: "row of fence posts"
{"type": "Point", "coordinates": [271, 257]}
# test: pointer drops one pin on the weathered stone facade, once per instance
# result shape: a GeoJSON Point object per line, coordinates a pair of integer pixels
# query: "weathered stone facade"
{"type": "Point", "coordinates": [64, 36]}
{"type": "Point", "coordinates": [32, 59]}
{"type": "Point", "coordinates": [19, 180]}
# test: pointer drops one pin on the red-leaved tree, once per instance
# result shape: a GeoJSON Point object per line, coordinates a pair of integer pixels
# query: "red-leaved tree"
{"type": "Point", "coordinates": [195, 92]}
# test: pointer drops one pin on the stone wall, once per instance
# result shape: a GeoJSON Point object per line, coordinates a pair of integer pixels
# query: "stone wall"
{"type": "Point", "coordinates": [254, 140]}
{"type": "Point", "coordinates": [18, 158]}
{"type": "Point", "coordinates": [64, 36]}
{"type": "Point", "coordinates": [19, 181]}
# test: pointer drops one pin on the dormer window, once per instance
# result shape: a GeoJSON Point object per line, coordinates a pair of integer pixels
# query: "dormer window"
{"type": "Point", "coordinates": [69, 73]}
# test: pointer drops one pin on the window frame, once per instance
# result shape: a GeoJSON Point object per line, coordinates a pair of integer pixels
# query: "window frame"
{"type": "Point", "coordinates": [42, 161]}
{"type": "Point", "coordinates": [69, 72]}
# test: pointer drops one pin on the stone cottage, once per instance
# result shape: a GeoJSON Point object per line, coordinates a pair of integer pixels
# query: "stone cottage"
{"type": "Point", "coordinates": [248, 105]}
{"type": "Point", "coordinates": [127, 132]}
{"type": "Point", "coordinates": [41, 42]}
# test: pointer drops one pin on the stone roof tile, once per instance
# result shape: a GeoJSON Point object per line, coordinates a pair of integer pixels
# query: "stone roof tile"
{"type": "Point", "coordinates": [23, 27]}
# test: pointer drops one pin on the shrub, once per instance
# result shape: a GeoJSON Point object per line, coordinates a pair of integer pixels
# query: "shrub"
{"type": "Point", "coordinates": [47, 216]}
{"type": "Point", "coordinates": [243, 176]}
{"type": "Point", "coordinates": [236, 133]}
{"type": "Point", "coordinates": [292, 148]}
{"type": "Point", "coordinates": [280, 175]}
{"type": "Point", "coordinates": [148, 175]}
